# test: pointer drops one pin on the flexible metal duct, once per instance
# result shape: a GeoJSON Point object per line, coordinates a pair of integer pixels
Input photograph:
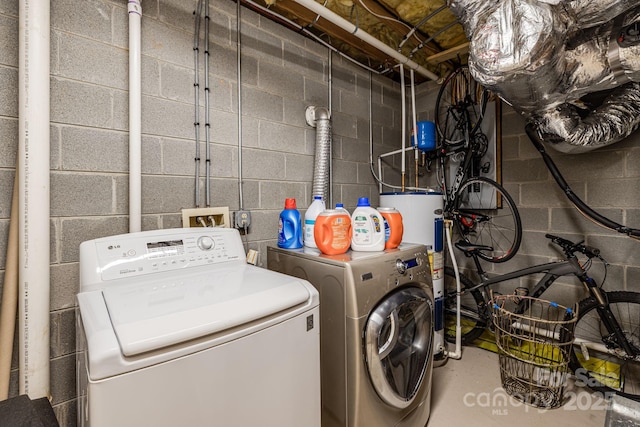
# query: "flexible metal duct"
{"type": "Point", "coordinates": [320, 118]}
{"type": "Point", "coordinates": [545, 57]}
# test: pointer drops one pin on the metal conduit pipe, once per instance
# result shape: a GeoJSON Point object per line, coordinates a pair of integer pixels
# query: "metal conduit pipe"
{"type": "Point", "coordinates": [207, 123]}
{"type": "Point", "coordinates": [33, 167]}
{"type": "Point", "coordinates": [196, 99]}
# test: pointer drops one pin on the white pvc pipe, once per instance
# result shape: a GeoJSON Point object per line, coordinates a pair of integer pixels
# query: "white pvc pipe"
{"type": "Point", "coordinates": [33, 199]}
{"type": "Point", "coordinates": [403, 97]}
{"type": "Point", "coordinates": [457, 354]}
{"type": "Point", "coordinates": [135, 116]}
{"type": "Point", "coordinates": [414, 122]}
{"type": "Point", "coordinates": [413, 106]}
{"type": "Point", "coordinates": [239, 101]}
{"type": "Point", "coordinates": [365, 37]}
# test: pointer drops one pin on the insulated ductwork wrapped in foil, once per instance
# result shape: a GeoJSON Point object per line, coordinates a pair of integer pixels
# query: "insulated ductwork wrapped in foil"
{"type": "Point", "coordinates": [547, 58]}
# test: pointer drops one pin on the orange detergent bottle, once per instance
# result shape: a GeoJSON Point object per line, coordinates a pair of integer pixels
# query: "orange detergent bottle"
{"type": "Point", "coordinates": [332, 232]}
{"type": "Point", "coordinates": [393, 228]}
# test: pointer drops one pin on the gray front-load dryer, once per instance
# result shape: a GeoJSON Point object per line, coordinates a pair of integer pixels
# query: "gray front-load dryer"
{"type": "Point", "coordinates": [376, 332]}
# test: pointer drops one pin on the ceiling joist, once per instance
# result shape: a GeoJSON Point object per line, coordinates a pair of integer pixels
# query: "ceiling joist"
{"type": "Point", "coordinates": [380, 33]}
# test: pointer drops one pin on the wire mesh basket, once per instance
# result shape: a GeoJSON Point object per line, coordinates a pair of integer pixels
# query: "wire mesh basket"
{"type": "Point", "coordinates": [534, 338]}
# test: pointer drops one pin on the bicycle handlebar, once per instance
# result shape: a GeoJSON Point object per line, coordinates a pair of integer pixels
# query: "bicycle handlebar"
{"type": "Point", "coordinates": [569, 247]}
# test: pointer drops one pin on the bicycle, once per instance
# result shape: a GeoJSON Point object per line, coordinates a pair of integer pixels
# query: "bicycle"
{"type": "Point", "coordinates": [483, 211]}
{"type": "Point", "coordinates": [606, 350]}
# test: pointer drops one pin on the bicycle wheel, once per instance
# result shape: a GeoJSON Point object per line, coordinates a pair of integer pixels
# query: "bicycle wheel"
{"type": "Point", "coordinates": [459, 107]}
{"type": "Point", "coordinates": [597, 360]}
{"type": "Point", "coordinates": [473, 310]}
{"type": "Point", "coordinates": [485, 214]}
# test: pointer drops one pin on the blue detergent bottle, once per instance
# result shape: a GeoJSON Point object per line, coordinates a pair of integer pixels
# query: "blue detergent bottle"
{"type": "Point", "coordinates": [290, 226]}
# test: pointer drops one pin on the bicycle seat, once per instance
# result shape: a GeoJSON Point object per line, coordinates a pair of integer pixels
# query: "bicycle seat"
{"type": "Point", "coordinates": [470, 247]}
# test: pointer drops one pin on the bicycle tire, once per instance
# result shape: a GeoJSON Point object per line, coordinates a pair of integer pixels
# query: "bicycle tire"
{"type": "Point", "coordinates": [485, 214]}
{"type": "Point", "coordinates": [450, 107]}
{"type": "Point", "coordinates": [599, 372]}
{"type": "Point", "coordinates": [472, 305]}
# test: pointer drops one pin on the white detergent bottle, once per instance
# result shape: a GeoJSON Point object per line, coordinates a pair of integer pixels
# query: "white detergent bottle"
{"type": "Point", "coordinates": [316, 207]}
{"type": "Point", "coordinates": [367, 227]}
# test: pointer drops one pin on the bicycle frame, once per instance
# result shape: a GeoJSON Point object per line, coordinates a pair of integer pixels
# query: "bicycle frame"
{"type": "Point", "coordinates": [460, 176]}
{"type": "Point", "coordinates": [552, 271]}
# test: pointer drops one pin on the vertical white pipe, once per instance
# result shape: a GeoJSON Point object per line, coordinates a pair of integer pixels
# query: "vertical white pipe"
{"type": "Point", "coordinates": [403, 97]}
{"type": "Point", "coordinates": [33, 199]}
{"type": "Point", "coordinates": [457, 354]}
{"type": "Point", "coordinates": [135, 117]}
{"type": "Point", "coordinates": [239, 96]}
{"type": "Point", "coordinates": [414, 122]}
{"type": "Point", "coordinates": [329, 102]}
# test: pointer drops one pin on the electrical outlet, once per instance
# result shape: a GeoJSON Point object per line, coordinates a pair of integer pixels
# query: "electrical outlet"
{"type": "Point", "coordinates": [206, 217]}
{"type": "Point", "coordinates": [242, 219]}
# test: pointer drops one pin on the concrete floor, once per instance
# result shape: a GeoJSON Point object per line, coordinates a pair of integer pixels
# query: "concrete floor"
{"type": "Point", "coordinates": [468, 392]}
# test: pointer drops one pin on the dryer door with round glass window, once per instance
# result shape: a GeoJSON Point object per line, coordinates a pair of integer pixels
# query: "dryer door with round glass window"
{"type": "Point", "coordinates": [397, 344]}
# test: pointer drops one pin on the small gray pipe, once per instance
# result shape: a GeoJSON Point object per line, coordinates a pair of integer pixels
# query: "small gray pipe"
{"type": "Point", "coordinates": [196, 102]}
{"type": "Point", "coordinates": [207, 123]}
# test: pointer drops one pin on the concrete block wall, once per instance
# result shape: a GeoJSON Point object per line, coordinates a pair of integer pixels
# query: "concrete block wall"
{"type": "Point", "coordinates": [607, 179]}
{"type": "Point", "coordinates": [282, 73]}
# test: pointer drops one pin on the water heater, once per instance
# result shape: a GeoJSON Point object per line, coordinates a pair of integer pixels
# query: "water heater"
{"type": "Point", "coordinates": [423, 223]}
{"type": "Point", "coordinates": [419, 212]}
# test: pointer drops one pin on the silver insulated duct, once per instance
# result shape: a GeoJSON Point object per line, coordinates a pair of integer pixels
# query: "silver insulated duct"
{"type": "Point", "coordinates": [570, 67]}
{"type": "Point", "coordinates": [321, 120]}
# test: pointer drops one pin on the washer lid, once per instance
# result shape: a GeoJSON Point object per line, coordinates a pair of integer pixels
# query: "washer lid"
{"type": "Point", "coordinates": [153, 314]}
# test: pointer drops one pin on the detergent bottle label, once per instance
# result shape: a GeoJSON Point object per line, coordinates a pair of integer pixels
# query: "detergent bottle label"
{"type": "Point", "coordinates": [387, 229]}
{"type": "Point", "coordinates": [393, 228]}
{"type": "Point", "coordinates": [376, 223]}
{"type": "Point", "coordinates": [333, 232]}
{"type": "Point", "coordinates": [361, 229]}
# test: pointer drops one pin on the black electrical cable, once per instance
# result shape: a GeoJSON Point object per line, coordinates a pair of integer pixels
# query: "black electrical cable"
{"type": "Point", "coordinates": [578, 203]}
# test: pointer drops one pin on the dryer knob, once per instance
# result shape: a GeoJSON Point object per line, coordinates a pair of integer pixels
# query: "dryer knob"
{"type": "Point", "coordinates": [205, 243]}
{"type": "Point", "coordinates": [401, 266]}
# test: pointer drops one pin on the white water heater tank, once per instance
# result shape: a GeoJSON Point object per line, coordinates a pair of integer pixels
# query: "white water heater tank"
{"type": "Point", "coordinates": [419, 211]}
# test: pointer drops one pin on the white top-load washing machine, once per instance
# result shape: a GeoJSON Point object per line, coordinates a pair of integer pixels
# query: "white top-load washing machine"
{"type": "Point", "coordinates": [376, 332]}
{"type": "Point", "coordinates": [176, 329]}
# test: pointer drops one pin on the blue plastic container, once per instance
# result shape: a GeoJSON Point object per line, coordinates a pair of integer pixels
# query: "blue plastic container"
{"type": "Point", "coordinates": [426, 136]}
{"type": "Point", "coordinates": [290, 226]}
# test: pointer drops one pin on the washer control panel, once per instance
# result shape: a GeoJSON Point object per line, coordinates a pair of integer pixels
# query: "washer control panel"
{"type": "Point", "coordinates": [403, 265]}
{"type": "Point", "coordinates": [137, 254]}
{"type": "Point", "coordinates": [396, 268]}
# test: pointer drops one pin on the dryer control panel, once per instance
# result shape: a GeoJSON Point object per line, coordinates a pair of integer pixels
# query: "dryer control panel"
{"type": "Point", "coordinates": [136, 254]}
